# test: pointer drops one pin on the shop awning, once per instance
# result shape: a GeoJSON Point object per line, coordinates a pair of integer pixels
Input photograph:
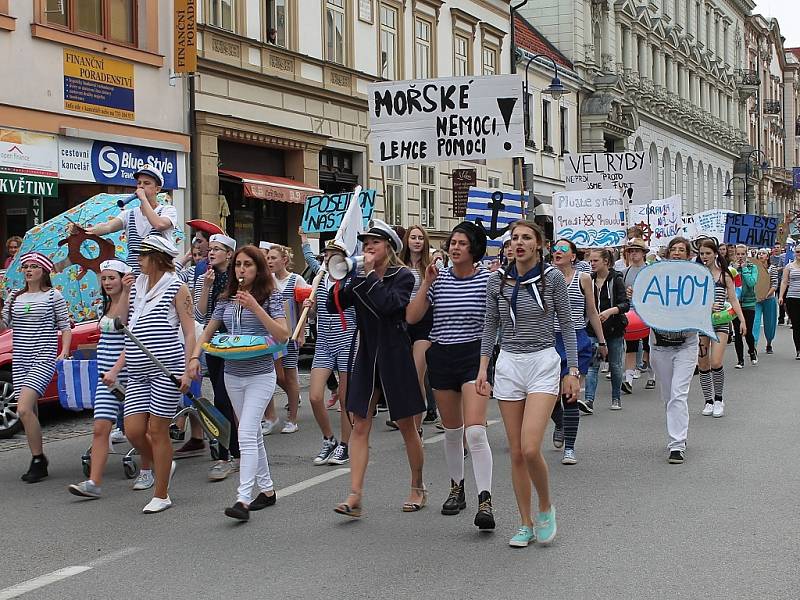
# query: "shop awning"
{"type": "Point", "coordinates": [270, 187]}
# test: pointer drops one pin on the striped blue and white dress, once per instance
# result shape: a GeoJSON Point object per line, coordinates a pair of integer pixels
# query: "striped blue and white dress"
{"type": "Point", "coordinates": [334, 342]}
{"type": "Point", "coordinates": [36, 318]}
{"type": "Point", "coordinates": [109, 349]}
{"type": "Point", "coordinates": [286, 287]}
{"type": "Point", "coordinates": [158, 329]}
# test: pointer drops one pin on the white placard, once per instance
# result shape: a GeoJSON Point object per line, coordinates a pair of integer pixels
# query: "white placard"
{"type": "Point", "coordinates": [589, 218]}
{"type": "Point", "coordinates": [453, 118]}
{"type": "Point", "coordinates": [709, 223]}
{"type": "Point", "coordinates": [628, 172]}
{"type": "Point", "coordinates": [660, 220]}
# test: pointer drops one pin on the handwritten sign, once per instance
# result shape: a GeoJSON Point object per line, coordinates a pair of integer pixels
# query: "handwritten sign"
{"type": "Point", "coordinates": [494, 210]}
{"type": "Point", "coordinates": [675, 295]}
{"type": "Point", "coordinates": [709, 223]}
{"type": "Point", "coordinates": [590, 218]}
{"type": "Point", "coordinates": [324, 213]}
{"type": "Point", "coordinates": [628, 172]}
{"type": "Point", "coordinates": [751, 230]}
{"type": "Point", "coordinates": [660, 221]}
{"type": "Point", "coordinates": [453, 118]}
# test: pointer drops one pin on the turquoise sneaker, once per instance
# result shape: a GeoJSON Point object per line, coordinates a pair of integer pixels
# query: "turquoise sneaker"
{"type": "Point", "coordinates": [523, 537]}
{"type": "Point", "coordinates": [546, 526]}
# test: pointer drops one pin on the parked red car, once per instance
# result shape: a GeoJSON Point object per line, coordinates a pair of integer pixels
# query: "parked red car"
{"type": "Point", "coordinates": [82, 334]}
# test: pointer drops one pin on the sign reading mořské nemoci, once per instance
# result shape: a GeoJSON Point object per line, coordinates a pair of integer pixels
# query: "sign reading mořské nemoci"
{"type": "Point", "coordinates": [453, 118]}
{"type": "Point", "coordinates": [27, 185]}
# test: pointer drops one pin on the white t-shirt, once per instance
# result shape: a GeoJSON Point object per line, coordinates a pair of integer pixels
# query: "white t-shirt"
{"type": "Point", "coordinates": [143, 226]}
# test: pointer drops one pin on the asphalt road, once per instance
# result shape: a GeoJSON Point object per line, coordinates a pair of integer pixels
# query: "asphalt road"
{"type": "Point", "coordinates": [722, 525]}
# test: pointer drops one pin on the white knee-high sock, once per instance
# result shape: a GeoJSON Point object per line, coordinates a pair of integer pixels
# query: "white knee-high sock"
{"type": "Point", "coordinates": [481, 453]}
{"type": "Point", "coordinates": [454, 453]}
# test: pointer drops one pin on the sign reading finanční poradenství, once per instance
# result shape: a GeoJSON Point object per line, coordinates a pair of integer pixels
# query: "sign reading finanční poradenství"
{"type": "Point", "coordinates": [628, 172]}
{"type": "Point", "coordinates": [453, 118]}
{"type": "Point", "coordinates": [98, 85]}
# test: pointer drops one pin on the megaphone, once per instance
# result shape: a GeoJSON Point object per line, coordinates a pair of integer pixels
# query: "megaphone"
{"type": "Point", "coordinates": [340, 266]}
{"type": "Point", "coordinates": [124, 201]}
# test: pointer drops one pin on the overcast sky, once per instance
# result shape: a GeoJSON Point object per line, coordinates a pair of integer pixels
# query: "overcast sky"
{"type": "Point", "coordinates": [788, 15]}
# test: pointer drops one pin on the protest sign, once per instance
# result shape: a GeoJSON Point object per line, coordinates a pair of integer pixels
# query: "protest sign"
{"type": "Point", "coordinates": [324, 213]}
{"type": "Point", "coordinates": [590, 218]}
{"type": "Point", "coordinates": [432, 120]}
{"type": "Point", "coordinates": [494, 210]}
{"type": "Point", "coordinates": [752, 230]}
{"type": "Point", "coordinates": [710, 223]}
{"type": "Point", "coordinates": [628, 172]}
{"type": "Point", "coordinates": [675, 295]}
{"type": "Point", "coordinates": [660, 221]}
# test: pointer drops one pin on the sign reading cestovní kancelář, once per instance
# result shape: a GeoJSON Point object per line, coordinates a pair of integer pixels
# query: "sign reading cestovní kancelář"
{"type": "Point", "coordinates": [98, 85]}
{"type": "Point", "coordinates": [452, 118]}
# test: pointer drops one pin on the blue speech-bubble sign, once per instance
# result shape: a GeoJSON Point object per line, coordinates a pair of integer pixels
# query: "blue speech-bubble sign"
{"type": "Point", "coordinates": [675, 295]}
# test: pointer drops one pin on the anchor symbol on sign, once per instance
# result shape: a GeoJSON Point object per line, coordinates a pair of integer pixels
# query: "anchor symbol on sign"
{"type": "Point", "coordinates": [496, 204]}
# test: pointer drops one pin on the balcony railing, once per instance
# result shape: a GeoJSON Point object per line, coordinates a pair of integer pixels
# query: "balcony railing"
{"type": "Point", "coordinates": [748, 78]}
{"type": "Point", "coordinates": [772, 107]}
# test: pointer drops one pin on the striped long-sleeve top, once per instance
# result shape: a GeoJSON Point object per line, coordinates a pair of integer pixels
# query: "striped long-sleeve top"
{"type": "Point", "coordinates": [533, 329]}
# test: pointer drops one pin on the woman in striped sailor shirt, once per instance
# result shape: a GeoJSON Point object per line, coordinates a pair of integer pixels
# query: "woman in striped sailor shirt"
{"type": "Point", "coordinates": [116, 280]}
{"type": "Point", "coordinates": [523, 302]}
{"type": "Point", "coordinates": [36, 313]}
{"type": "Point", "coordinates": [251, 305]}
{"type": "Point", "coordinates": [458, 297]}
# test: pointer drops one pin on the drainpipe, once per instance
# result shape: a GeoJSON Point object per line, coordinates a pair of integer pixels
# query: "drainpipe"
{"type": "Point", "coordinates": [519, 163]}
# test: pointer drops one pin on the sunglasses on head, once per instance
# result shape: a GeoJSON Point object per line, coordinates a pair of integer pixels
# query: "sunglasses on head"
{"type": "Point", "coordinates": [561, 248]}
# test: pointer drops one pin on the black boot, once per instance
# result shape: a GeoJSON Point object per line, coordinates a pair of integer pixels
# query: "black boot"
{"type": "Point", "coordinates": [484, 518]}
{"type": "Point", "coordinates": [37, 471]}
{"type": "Point", "coordinates": [456, 501]}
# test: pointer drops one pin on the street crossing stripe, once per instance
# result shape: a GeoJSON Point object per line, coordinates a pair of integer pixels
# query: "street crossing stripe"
{"type": "Point", "coordinates": [304, 485]}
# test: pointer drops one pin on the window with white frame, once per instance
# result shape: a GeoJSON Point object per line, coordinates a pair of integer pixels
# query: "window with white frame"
{"type": "Point", "coordinates": [394, 194]}
{"type": "Point", "coordinates": [335, 33]}
{"type": "Point", "coordinates": [547, 146]}
{"type": "Point", "coordinates": [389, 37]}
{"type": "Point", "coordinates": [460, 56]}
{"type": "Point", "coordinates": [564, 129]}
{"type": "Point", "coordinates": [493, 181]}
{"type": "Point", "coordinates": [276, 23]}
{"type": "Point", "coordinates": [489, 61]}
{"type": "Point", "coordinates": [222, 14]}
{"type": "Point", "coordinates": [423, 48]}
{"type": "Point", "coordinates": [427, 196]}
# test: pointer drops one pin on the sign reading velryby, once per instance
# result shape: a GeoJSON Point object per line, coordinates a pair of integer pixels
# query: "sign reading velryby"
{"type": "Point", "coordinates": [98, 85]}
{"type": "Point", "coordinates": [590, 218]}
{"type": "Point", "coordinates": [324, 213]}
{"type": "Point", "coordinates": [675, 295]}
{"type": "Point", "coordinates": [453, 118]}
{"type": "Point", "coordinates": [628, 172]}
{"type": "Point", "coordinates": [752, 230]}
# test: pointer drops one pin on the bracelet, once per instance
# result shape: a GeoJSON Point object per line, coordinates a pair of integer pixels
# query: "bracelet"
{"type": "Point", "coordinates": [191, 358]}
{"type": "Point", "coordinates": [601, 344]}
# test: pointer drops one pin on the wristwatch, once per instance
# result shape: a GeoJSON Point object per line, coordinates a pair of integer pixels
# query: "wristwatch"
{"type": "Point", "coordinates": [574, 371]}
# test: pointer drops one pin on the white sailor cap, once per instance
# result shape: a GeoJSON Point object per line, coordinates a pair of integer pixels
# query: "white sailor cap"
{"type": "Point", "coordinates": [115, 265]}
{"type": "Point", "coordinates": [379, 229]}
{"type": "Point", "coordinates": [158, 243]}
{"type": "Point", "coordinates": [226, 241]}
{"type": "Point", "coordinates": [153, 172]}
{"type": "Point", "coordinates": [264, 245]}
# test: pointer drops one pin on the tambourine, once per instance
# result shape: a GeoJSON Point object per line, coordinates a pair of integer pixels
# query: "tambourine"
{"type": "Point", "coordinates": [636, 329]}
{"type": "Point", "coordinates": [723, 316]}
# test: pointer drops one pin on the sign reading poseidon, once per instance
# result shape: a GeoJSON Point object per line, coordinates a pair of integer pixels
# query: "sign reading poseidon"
{"type": "Point", "coordinates": [453, 118]}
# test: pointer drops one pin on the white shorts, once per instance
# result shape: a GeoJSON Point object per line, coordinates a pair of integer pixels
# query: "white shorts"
{"type": "Point", "coordinates": [517, 375]}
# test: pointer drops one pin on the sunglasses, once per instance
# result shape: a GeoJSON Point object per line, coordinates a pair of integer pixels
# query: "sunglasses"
{"type": "Point", "coordinates": [561, 248]}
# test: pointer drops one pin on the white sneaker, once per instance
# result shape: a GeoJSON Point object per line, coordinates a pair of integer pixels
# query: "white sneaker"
{"type": "Point", "coordinates": [637, 373]}
{"type": "Point", "coordinates": [117, 437]}
{"type": "Point", "coordinates": [157, 505]}
{"type": "Point", "coordinates": [268, 426]}
{"type": "Point", "coordinates": [144, 481]}
{"type": "Point", "coordinates": [290, 427]}
{"type": "Point", "coordinates": [708, 409]}
{"type": "Point", "coordinates": [719, 409]}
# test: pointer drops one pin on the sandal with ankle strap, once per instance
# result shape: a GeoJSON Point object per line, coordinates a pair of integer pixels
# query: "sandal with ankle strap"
{"type": "Point", "coordinates": [349, 510]}
{"type": "Point", "coordinates": [417, 506]}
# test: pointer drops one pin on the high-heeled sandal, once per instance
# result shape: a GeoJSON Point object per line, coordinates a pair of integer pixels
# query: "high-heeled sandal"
{"type": "Point", "coordinates": [350, 510]}
{"type": "Point", "coordinates": [417, 506]}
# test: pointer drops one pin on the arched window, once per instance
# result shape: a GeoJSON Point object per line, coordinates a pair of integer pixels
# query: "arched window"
{"type": "Point", "coordinates": [679, 189]}
{"type": "Point", "coordinates": [666, 174]}
{"type": "Point", "coordinates": [654, 168]}
{"type": "Point", "coordinates": [701, 188]}
{"type": "Point", "coordinates": [691, 207]}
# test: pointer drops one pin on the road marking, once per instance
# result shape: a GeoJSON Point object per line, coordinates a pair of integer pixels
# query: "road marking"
{"type": "Point", "coordinates": [304, 485]}
{"type": "Point", "coordinates": [440, 436]}
{"type": "Point", "coordinates": [44, 580]}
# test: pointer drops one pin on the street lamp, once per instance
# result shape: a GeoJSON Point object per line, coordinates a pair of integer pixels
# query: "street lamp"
{"type": "Point", "coordinates": [728, 195]}
{"type": "Point", "coordinates": [764, 165]}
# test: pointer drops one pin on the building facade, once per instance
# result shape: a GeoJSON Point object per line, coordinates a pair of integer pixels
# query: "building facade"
{"type": "Point", "coordinates": [660, 77]}
{"type": "Point", "coordinates": [281, 105]}
{"type": "Point", "coordinates": [87, 96]}
{"type": "Point", "coordinates": [771, 96]}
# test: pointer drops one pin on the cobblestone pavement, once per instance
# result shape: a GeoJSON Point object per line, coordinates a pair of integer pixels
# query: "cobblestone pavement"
{"type": "Point", "coordinates": [60, 424]}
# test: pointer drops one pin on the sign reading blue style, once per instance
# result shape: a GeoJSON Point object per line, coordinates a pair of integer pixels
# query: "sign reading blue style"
{"type": "Point", "coordinates": [116, 163]}
{"type": "Point", "coordinates": [751, 230]}
{"type": "Point", "coordinates": [675, 295]}
{"type": "Point", "coordinates": [324, 213]}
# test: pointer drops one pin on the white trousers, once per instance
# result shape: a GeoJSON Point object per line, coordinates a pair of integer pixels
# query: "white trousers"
{"type": "Point", "coordinates": [674, 368]}
{"type": "Point", "coordinates": [249, 397]}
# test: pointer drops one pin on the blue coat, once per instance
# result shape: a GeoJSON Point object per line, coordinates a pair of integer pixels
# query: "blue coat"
{"type": "Point", "coordinates": [384, 360]}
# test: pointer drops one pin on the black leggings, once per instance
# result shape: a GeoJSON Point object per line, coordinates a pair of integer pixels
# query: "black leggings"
{"type": "Point", "coordinates": [749, 319]}
{"type": "Point", "coordinates": [793, 310]}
